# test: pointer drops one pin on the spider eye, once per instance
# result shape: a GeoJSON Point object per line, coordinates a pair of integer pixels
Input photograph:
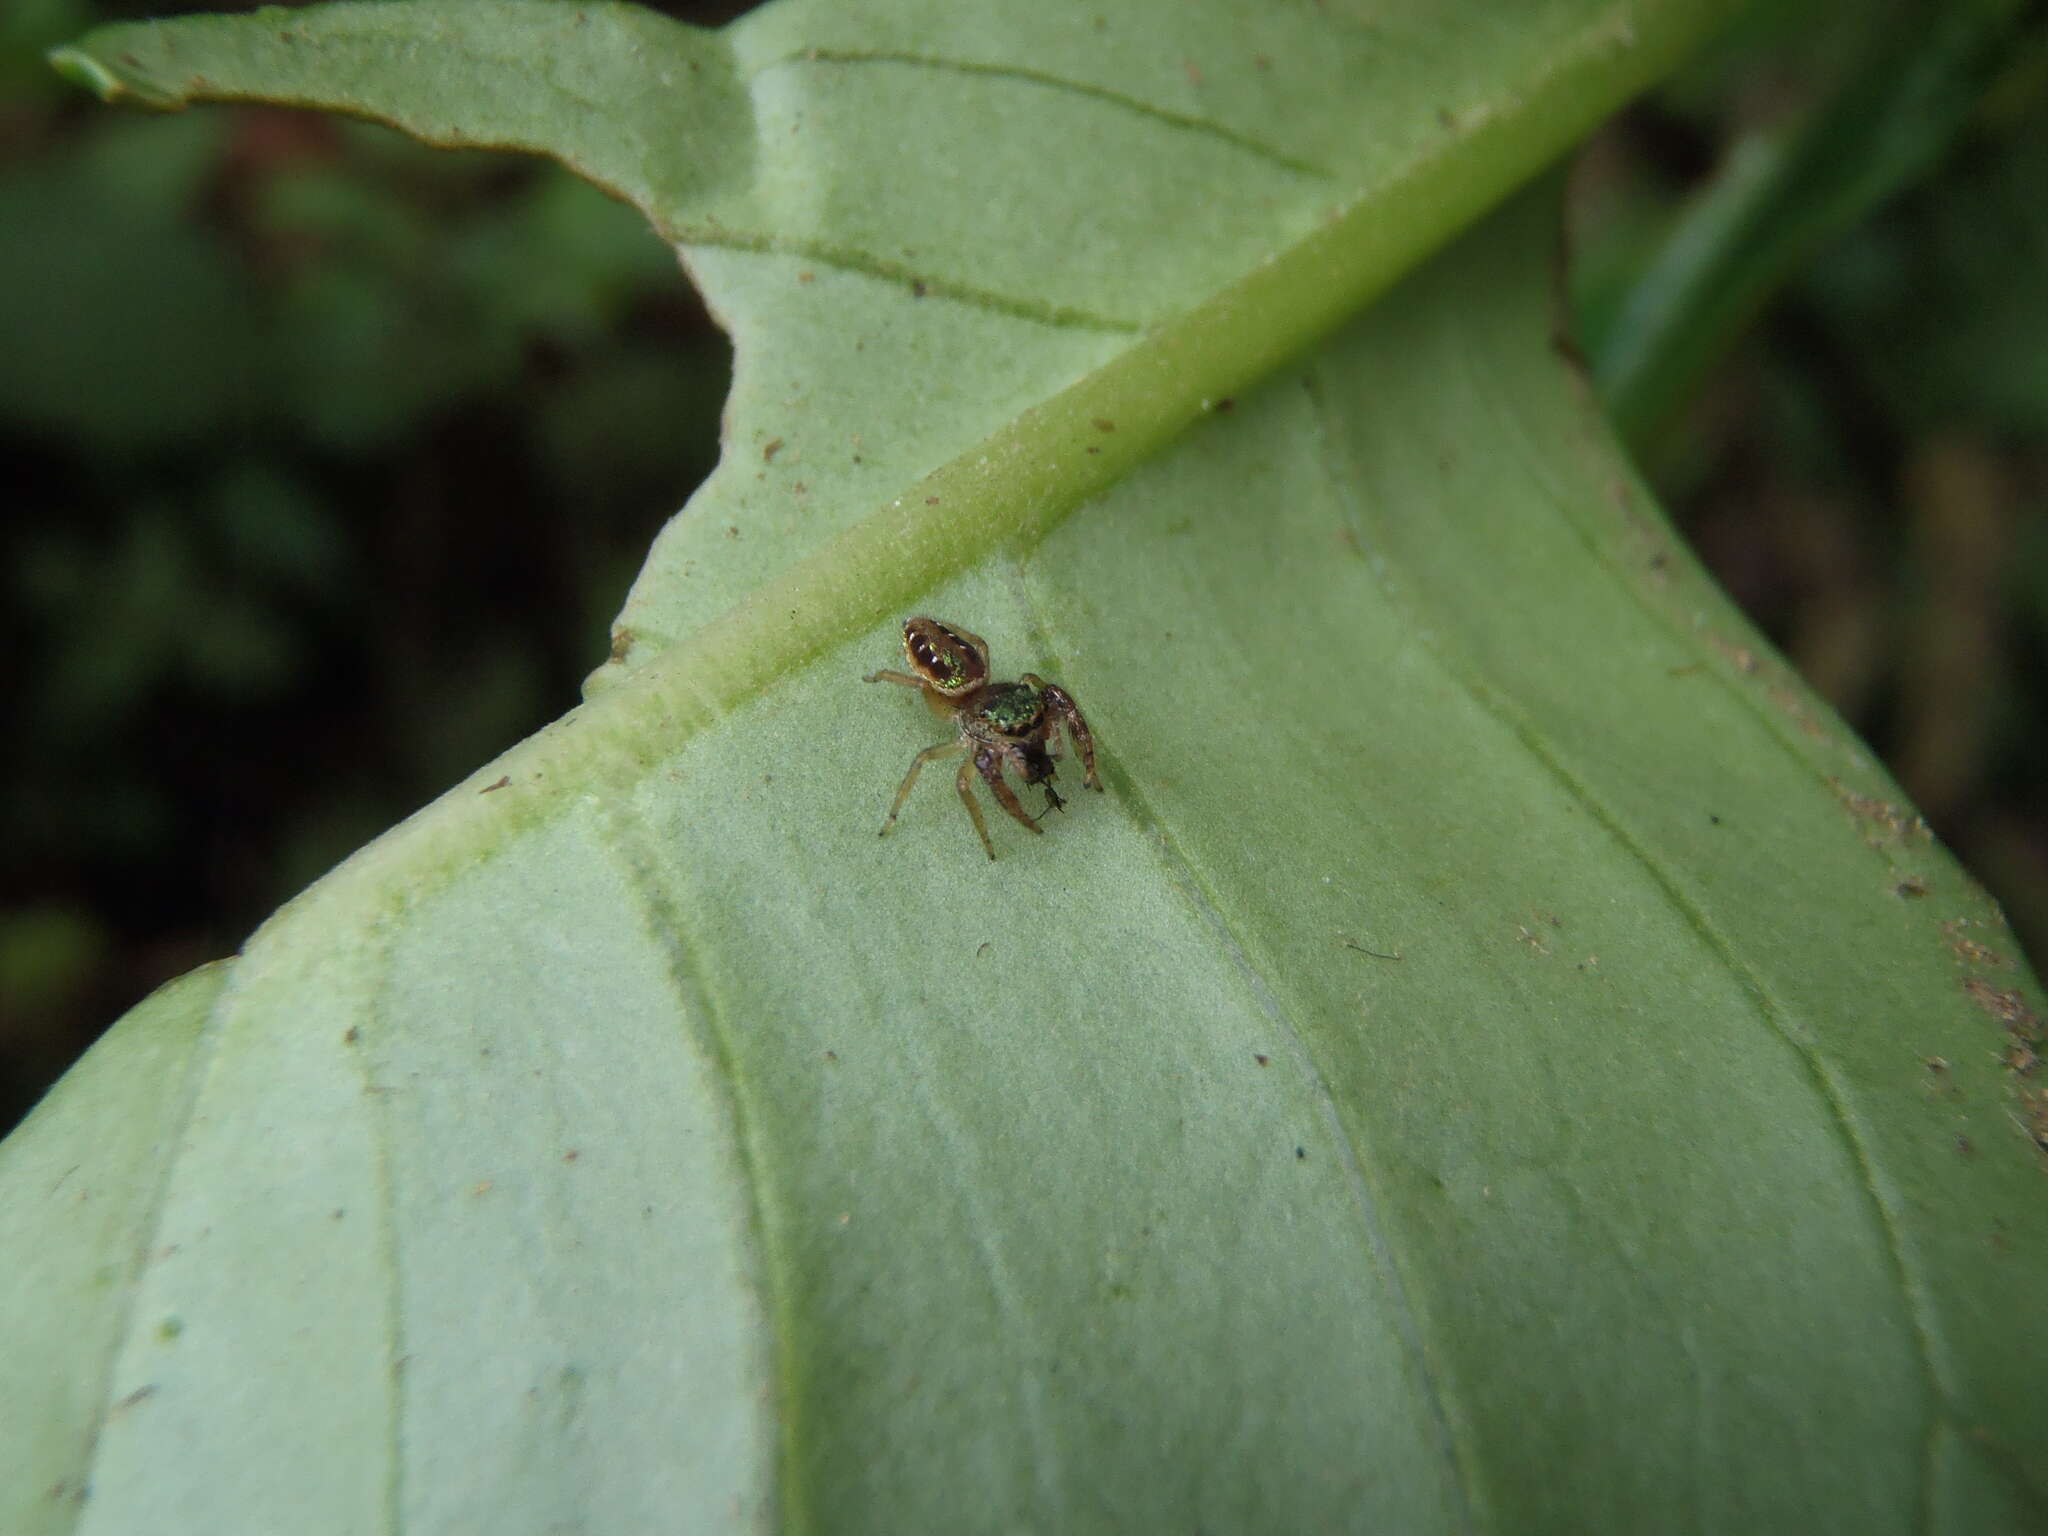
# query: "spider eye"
{"type": "Point", "coordinates": [943, 656]}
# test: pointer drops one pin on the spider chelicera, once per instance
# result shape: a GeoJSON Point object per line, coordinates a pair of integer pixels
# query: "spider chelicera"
{"type": "Point", "coordinates": [999, 723]}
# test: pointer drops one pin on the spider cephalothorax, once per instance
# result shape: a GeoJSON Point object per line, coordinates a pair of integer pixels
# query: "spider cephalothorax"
{"type": "Point", "coordinates": [998, 723]}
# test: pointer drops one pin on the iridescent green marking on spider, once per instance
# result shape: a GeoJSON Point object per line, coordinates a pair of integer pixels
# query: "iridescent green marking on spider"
{"type": "Point", "coordinates": [1013, 709]}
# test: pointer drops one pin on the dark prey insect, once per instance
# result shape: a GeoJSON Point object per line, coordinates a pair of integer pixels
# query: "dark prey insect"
{"type": "Point", "coordinates": [999, 723]}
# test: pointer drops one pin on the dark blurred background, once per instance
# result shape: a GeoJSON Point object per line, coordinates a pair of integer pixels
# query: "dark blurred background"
{"type": "Point", "coordinates": [329, 457]}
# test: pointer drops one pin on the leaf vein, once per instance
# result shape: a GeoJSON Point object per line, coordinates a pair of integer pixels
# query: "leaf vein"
{"type": "Point", "coordinates": [204, 1052]}
{"type": "Point", "coordinates": [1776, 1014]}
{"type": "Point", "coordinates": [378, 1100]}
{"type": "Point", "coordinates": [1181, 874]}
{"type": "Point", "coordinates": [1185, 121]}
{"type": "Point", "coordinates": [922, 284]}
{"type": "Point", "coordinates": [984, 1233]}
{"type": "Point", "coordinates": [703, 1024]}
{"type": "Point", "coordinates": [1764, 1003]}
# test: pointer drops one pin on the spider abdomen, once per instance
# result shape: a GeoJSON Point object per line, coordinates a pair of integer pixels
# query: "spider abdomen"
{"type": "Point", "coordinates": [1011, 709]}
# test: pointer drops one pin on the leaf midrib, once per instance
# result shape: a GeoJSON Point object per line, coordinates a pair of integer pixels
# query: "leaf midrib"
{"type": "Point", "coordinates": [1014, 486]}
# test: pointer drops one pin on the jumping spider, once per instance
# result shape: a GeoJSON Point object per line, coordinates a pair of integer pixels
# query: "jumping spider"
{"type": "Point", "coordinates": [999, 723]}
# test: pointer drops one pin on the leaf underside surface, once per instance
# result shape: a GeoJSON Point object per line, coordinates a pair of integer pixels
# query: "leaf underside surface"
{"type": "Point", "coordinates": [1499, 1056]}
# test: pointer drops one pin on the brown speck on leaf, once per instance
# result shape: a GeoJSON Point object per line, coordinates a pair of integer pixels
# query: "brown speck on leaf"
{"type": "Point", "coordinates": [1794, 706]}
{"type": "Point", "coordinates": [769, 449]}
{"type": "Point", "coordinates": [732, 532]}
{"type": "Point", "coordinates": [917, 288]}
{"type": "Point", "coordinates": [1193, 72]}
{"type": "Point", "coordinates": [622, 642]}
{"type": "Point", "coordinates": [799, 489]}
{"type": "Point", "coordinates": [1093, 449]}
{"type": "Point", "coordinates": [2021, 1059]}
{"type": "Point", "coordinates": [571, 1155]}
{"type": "Point", "coordinates": [1301, 1154]}
{"type": "Point", "coordinates": [1967, 949]}
{"type": "Point", "coordinates": [1740, 657]}
{"type": "Point", "coordinates": [931, 501]}
{"type": "Point", "coordinates": [482, 1187]}
{"type": "Point", "coordinates": [831, 1055]}
{"type": "Point", "coordinates": [1224, 406]}
{"type": "Point", "coordinates": [351, 1035]}
{"type": "Point", "coordinates": [140, 1394]}
{"type": "Point", "coordinates": [1912, 885]}
{"type": "Point", "coordinates": [1888, 820]}
{"type": "Point", "coordinates": [2004, 1004]}
{"type": "Point", "coordinates": [1104, 424]}
{"type": "Point", "coordinates": [983, 948]}
{"type": "Point", "coordinates": [1964, 1145]}
{"type": "Point", "coordinates": [1262, 1060]}
{"type": "Point", "coordinates": [807, 277]}
{"type": "Point", "coordinates": [1376, 954]}
{"type": "Point", "coordinates": [503, 780]}
{"type": "Point", "coordinates": [2034, 1109]}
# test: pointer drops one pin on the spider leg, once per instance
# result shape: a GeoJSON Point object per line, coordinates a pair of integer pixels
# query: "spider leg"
{"type": "Point", "coordinates": [964, 782]}
{"type": "Point", "coordinates": [991, 765]}
{"type": "Point", "coordinates": [887, 676]}
{"type": "Point", "coordinates": [928, 755]}
{"type": "Point", "coordinates": [1061, 703]}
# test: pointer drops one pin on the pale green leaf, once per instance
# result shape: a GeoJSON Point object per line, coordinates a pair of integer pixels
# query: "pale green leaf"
{"type": "Point", "coordinates": [1470, 1071]}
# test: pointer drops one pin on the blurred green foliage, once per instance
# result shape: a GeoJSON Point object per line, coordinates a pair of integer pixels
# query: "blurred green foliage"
{"type": "Point", "coordinates": [330, 456]}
